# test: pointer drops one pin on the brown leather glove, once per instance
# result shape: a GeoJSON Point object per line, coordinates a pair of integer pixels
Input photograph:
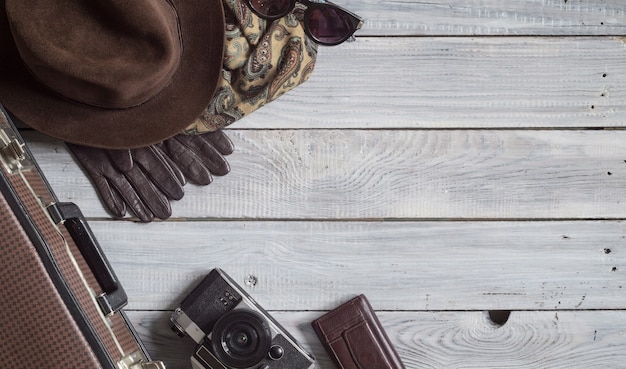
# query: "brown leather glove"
{"type": "Point", "coordinates": [200, 156]}
{"type": "Point", "coordinates": [143, 179]}
{"type": "Point", "coordinates": [146, 179]}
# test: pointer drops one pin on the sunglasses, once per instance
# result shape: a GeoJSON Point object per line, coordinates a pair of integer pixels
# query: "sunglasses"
{"type": "Point", "coordinates": [324, 22]}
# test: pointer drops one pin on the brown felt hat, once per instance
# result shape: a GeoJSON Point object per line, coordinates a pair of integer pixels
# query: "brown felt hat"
{"type": "Point", "coordinates": [110, 73]}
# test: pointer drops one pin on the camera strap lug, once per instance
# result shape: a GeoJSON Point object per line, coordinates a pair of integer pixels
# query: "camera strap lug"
{"type": "Point", "coordinates": [136, 360]}
{"type": "Point", "coordinates": [183, 325]}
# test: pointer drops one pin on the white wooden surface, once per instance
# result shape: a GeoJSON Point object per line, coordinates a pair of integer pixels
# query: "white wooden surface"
{"type": "Point", "coordinates": [461, 157]}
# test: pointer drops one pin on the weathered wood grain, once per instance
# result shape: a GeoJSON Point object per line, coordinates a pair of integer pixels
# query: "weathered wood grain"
{"type": "Point", "coordinates": [458, 82]}
{"type": "Point", "coordinates": [394, 174]}
{"type": "Point", "coordinates": [490, 17]}
{"type": "Point", "coordinates": [490, 82]}
{"type": "Point", "coordinates": [447, 340]}
{"type": "Point", "coordinates": [443, 171]}
{"type": "Point", "coordinates": [400, 265]}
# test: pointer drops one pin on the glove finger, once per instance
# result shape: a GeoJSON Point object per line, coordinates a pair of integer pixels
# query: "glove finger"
{"type": "Point", "coordinates": [156, 168]}
{"type": "Point", "coordinates": [220, 141]}
{"type": "Point", "coordinates": [150, 196]}
{"type": "Point", "coordinates": [110, 197]}
{"type": "Point", "coordinates": [210, 157]}
{"type": "Point", "coordinates": [114, 189]}
{"type": "Point", "coordinates": [188, 162]}
{"type": "Point", "coordinates": [122, 159]}
{"type": "Point", "coordinates": [135, 203]}
{"type": "Point", "coordinates": [93, 161]}
{"type": "Point", "coordinates": [175, 168]}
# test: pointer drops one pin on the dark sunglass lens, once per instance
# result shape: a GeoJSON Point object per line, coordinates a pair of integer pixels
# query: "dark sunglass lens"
{"type": "Point", "coordinates": [329, 25]}
{"type": "Point", "coordinates": [271, 8]}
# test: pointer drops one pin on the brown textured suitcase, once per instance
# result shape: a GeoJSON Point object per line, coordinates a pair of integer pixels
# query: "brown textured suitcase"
{"type": "Point", "coordinates": [60, 301]}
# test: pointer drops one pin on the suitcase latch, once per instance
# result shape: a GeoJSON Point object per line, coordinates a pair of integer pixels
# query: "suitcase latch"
{"type": "Point", "coordinates": [137, 360]}
{"type": "Point", "coordinates": [13, 154]}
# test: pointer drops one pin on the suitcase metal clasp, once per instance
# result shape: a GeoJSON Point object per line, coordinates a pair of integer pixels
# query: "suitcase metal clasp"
{"type": "Point", "coordinates": [136, 360]}
{"type": "Point", "coordinates": [12, 153]}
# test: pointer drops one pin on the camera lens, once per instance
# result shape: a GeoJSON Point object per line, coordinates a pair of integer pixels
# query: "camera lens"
{"type": "Point", "coordinates": [241, 339]}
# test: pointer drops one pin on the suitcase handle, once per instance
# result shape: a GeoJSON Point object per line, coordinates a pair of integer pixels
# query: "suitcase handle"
{"type": "Point", "coordinates": [114, 296]}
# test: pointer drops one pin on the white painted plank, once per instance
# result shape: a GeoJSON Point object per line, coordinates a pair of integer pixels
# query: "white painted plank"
{"type": "Point", "coordinates": [490, 17]}
{"type": "Point", "coordinates": [408, 268]}
{"type": "Point", "coordinates": [451, 82]}
{"type": "Point", "coordinates": [448, 340]}
{"type": "Point", "coordinates": [362, 174]}
{"type": "Point", "coordinates": [399, 265]}
{"type": "Point", "coordinates": [458, 83]}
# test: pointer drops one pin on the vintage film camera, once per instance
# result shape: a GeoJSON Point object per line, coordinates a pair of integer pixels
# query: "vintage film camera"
{"type": "Point", "coordinates": [233, 331]}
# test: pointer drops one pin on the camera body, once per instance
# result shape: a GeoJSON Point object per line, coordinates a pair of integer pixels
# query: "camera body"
{"type": "Point", "coordinates": [232, 331]}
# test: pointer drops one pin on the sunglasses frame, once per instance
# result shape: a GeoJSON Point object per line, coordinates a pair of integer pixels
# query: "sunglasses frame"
{"type": "Point", "coordinates": [356, 22]}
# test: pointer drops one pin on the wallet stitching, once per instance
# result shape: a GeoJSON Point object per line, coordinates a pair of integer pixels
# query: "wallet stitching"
{"type": "Point", "coordinates": [338, 360]}
{"type": "Point", "coordinates": [375, 339]}
{"type": "Point", "coordinates": [361, 317]}
{"type": "Point", "coordinates": [332, 314]}
{"type": "Point", "coordinates": [348, 324]}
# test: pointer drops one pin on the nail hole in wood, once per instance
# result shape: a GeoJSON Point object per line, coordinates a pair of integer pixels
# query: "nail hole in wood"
{"type": "Point", "coordinates": [607, 251]}
{"type": "Point", "coordinates": [251, 280]}
{"type": "Point", "coordinates": [499, 317]}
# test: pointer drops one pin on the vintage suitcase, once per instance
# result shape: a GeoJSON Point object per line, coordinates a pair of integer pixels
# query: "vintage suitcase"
{"type": "Point", "coordinates": [60, 301]}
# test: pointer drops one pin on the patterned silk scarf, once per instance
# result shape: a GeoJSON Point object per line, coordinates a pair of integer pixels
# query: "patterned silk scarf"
{"type": "Point", "coordinates": [262, 61]}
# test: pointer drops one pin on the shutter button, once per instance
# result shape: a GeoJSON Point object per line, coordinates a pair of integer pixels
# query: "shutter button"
{"type": "Point", "coordinates": [276, 352]}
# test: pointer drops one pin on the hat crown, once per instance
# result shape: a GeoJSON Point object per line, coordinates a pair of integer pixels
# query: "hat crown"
{"type": "Point", "coordinates": [106, 53]}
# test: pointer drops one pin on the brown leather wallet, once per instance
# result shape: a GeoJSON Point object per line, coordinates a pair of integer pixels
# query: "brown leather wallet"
{"type": "Point", "coordinates": [354, 337]}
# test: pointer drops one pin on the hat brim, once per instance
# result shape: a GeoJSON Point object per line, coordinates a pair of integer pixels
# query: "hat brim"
{"type": "Point", "coordinates": [165, 115]}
